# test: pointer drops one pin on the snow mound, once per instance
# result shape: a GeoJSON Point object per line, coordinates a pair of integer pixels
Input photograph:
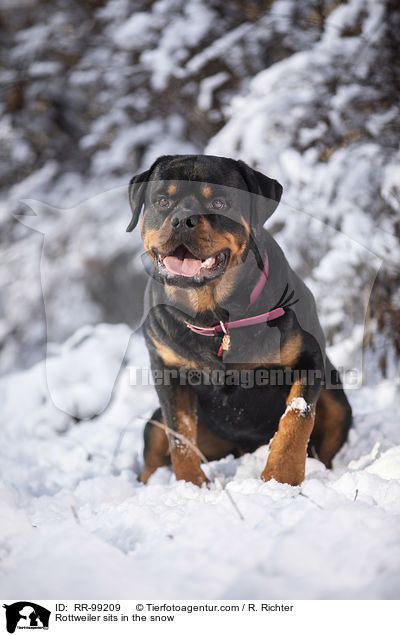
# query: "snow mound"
{"type": "Point", "coordinates": [76, 523]}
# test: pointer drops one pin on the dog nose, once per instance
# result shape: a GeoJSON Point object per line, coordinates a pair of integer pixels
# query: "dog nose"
{"type": "Point", "coordinates": [184, 220]}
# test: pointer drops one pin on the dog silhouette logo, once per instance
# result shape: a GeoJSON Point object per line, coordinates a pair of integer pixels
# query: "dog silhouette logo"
{"type": "Point", "coordinates": [26, 615]}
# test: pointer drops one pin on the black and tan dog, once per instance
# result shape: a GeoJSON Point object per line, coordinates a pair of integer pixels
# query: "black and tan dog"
{"type": "Point", "coordinates": [232, 332]}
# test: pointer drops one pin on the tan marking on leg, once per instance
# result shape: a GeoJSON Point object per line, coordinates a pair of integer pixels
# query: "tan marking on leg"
{"type": "Point", "coordinates": [185, 461]}
{"type": "Point", "coordinates": [287, 458]}
{"type": "Point", "coordinates": [211, 446]}
{"type": "Point", "coordinates": [157, 453]}
{"type": "Point", "coordinates": [328, 431]}
{"type": "Point", "coordinates": [287, 355]}
{"type": "Point", "coordinates": [290, 351]}
{"type": "Point", "coordinates": [170, 358]}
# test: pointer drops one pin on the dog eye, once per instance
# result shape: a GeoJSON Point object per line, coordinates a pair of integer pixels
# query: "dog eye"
{"type": "Point", "coordinates": [217, 204]}
{"type": "Point", "coordinates": [163, 202]}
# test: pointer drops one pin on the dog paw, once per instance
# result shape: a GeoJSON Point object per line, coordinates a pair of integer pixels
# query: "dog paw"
{"type": "Point", "coordinates": [197, 477]}
{"type": "Point", "coordinates": [283, 474]}
{"type": "Point", "coordinates": [145, 475]}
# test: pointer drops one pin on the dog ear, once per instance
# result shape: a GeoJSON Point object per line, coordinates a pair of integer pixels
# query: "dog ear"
{"type": "Point", "coordinates": [136, 193]}
{"type": "Point", "coordinates": [260, 184]}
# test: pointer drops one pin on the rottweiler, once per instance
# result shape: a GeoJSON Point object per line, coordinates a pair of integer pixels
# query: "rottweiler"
{"type": "Point", "coordinates": [236, 348]}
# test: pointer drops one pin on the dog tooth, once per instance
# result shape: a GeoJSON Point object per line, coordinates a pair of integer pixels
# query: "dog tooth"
{"type": "Point", "coordinates": [208, 262]}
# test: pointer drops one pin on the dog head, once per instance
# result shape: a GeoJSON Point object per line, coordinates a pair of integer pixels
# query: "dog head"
{"type": "Point", "coordinates": [201, 215]}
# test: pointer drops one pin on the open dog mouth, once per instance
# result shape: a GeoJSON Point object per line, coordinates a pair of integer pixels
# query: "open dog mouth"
{"type": "Point", "coordinates": [181, 262]}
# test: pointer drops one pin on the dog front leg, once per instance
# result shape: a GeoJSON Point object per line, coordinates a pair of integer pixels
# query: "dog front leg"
{"type": "Point", "coordinates": [181, 415]}
{"type": "Point", "coordinates": [287, 458]}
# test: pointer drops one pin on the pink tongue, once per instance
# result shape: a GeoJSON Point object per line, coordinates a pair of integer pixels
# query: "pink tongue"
{"type": "Point", "coordinates": [185, 267]}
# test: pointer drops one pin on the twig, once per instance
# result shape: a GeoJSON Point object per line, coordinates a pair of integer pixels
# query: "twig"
{"type": "Point", "coordinates": [118, 444]}
{"type": "Point", "coordinates": [75, 514]}
{"type": "Point", "coordinates": [312, 500]}
{"type": "Point", "coordinates": [198, 452]}
{"type": "Point", "coordinates": [169, 431]}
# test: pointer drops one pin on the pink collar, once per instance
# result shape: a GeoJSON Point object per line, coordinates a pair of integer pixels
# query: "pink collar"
{"type": "Point", "coordinates": [259, 286]}
{"type": "Point", "coordinates": [224, 327]}
{"type": "Point", "coordinates": [243, 322]}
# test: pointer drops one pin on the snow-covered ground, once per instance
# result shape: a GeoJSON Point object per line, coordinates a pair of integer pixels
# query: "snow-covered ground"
{"type": "Point", "coordinates": [307, 95]}
{"type": "Point", "coordinates": [76, 523]}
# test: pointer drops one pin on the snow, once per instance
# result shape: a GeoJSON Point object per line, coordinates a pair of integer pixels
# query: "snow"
{"type": "Point", "coordinates": [297, 404]}
{"type": "Point", "coordinates": [299, 93]}
{"type": "Point", "coordinates": [388, 465]}
{"type": "Point", "coordinates": [185, 30]}
{"type": "Point", "coordinates": [207, 87]}
{"type": "Point", "coordinates": [136, 32]}
{"type": "Point", "coordinates": [75, 522]}
{"type": "Point", "coordinates": [305, 99]}
{"type": "Point", "coordinates": [284, 124]}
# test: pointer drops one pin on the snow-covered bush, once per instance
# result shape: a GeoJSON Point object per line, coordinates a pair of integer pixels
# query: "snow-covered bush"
{"type": "Point", "coordinates": [94, 91]}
